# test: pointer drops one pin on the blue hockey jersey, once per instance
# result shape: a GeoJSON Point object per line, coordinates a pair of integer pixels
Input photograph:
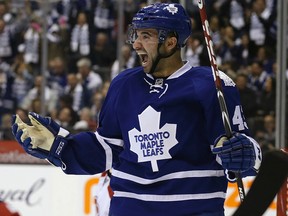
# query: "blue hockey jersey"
{"type": "Point", "coordinates": [157, 135]}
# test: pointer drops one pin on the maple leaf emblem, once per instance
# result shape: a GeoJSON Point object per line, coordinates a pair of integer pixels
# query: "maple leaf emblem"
{"type": "Point", "coordinates": [152, 143]}
{"type": "Point", "coordinates": [171, 8]}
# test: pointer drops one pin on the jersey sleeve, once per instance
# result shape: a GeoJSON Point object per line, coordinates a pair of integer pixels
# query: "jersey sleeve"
{"type": "Point", "coordinates": [207, 95]}
{"type": "Point", "coordinates": [95, 152]}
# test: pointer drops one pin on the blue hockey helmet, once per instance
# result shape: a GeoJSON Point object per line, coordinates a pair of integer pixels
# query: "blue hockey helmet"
{"type": "Point", "coordinates": [166, 18]}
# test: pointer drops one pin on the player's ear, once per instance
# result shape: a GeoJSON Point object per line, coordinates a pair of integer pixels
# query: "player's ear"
{"type": "Point", "coordinates": [171, 42]}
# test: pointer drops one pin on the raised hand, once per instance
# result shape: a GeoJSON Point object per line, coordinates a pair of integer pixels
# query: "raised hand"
{"type": "Point", "coordinates": [43, 139]}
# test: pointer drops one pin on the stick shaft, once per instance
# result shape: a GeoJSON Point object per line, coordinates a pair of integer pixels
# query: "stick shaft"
{"type": "Point", "coordinates": [218, 85]}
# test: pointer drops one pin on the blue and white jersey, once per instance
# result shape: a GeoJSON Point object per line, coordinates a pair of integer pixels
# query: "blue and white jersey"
{"type": "Point", "coordinates": [157, 135]}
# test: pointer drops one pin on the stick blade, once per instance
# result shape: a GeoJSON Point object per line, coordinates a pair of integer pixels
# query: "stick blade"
{"type": "Point", "coordinates": [272, 174]}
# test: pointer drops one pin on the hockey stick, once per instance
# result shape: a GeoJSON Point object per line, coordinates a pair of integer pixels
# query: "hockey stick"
{"type": "Point", "coordinates": [272, 174]}
{"type": "Point", "coordinates": [218, 85]}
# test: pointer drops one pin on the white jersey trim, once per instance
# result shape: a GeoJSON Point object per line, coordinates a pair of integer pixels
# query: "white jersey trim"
{"type": "Point", "coordinates": [170, 198]}
{"type": "Point", "coordinates": [176, 175]}
{"type": "Point", "coordinates": [117, 142]}
{"type": "Point", "coordinates": [107, 150]}
{"type": "Point", "coordinates": [186, 67]}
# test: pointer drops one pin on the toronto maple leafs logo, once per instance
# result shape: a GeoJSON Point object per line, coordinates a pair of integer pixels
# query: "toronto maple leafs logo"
{"type": "Point", "coordinates": [152, 143]}
{"type": "Point", "coordinates": [171, 8]}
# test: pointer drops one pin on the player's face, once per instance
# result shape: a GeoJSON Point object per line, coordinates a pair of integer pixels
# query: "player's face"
{"type": "Point", "coordinates": [146, 47]}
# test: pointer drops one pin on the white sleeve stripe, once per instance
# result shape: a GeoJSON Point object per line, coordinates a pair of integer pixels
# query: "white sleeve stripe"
{"type": "Point", "coordinates": [117, 142]}
{"type": "Point", "coordinates": [107, 150]}
{"type": "Point", "coordinates": [176, 175]}
{"type": "Point", "coordinates": [169, 198]}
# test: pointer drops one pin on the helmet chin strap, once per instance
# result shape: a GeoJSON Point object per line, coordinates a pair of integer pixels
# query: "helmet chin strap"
{"type": "Point", "coordinates": [159, 57]}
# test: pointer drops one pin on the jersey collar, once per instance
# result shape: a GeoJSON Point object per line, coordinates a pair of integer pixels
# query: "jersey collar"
{"type": "Point", "coordinates": [186, 67]}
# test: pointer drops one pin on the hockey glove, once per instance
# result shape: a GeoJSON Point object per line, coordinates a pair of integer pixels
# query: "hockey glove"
{"type": "Point", "coordinates": [43, 139]}
{"type": "Point", "coordinates": [237, 154]}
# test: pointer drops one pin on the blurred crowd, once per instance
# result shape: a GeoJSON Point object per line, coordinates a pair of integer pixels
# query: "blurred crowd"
{"type": "Point", "coordinates": [82, 57]}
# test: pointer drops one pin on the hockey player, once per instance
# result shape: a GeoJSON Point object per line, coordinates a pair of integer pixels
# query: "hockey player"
{"type": "Point", "coordinates": [158, 129]}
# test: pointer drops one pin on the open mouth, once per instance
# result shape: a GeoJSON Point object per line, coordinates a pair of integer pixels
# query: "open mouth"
{"type": "Point", "coordinates": [143, 58]}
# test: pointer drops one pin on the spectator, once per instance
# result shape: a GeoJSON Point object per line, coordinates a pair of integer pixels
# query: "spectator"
{"type": "Point", "coordinates": [103, 52]}
{"type": "Point", "coordinates": [130, 7]}
{"type": "Point", "coordinates": [57, 36]}
{"type": "Point", "coordinates": [247, 95]}
{"type": "Point", "coordinates": [103, 16]}
{"type": "Point", "coordinates": [90, 80]}
{"type": "Point", "coordinates": [7, 101]}
{"type": "Point", "coordinates": [75, 90]}
{"type": "Point", "coordinates": [196, 52]}
{"type": "Point", "coordinates": [5, 14]}
{"type": "Point", "coordinates": [6, 47]}
{"type": "Point", "coordinates": [261, 21]}
{"type": "Point", "coordinates": [97, 100]}
{"type": "Point", "coordinates": [268, 97]}
{"type": "Point", "coordinates": [5, 127]}
{"type": "Point", "coordinates": [32, 38]}
{"type": "Point", "coordinates": [50, 96]}
{"type": "Point", "coordinates": [248, 99]}
{"type": "Point", "coordinates": [105, 88]}
{"type": "Point", "coordinates": [67, 117]}
{"type": "Point", "coordinates": [229, 43]}
{"type": "Point", "coordinates": [265, 56]}
{"type": "Point", "coordinates": [86, 121]}
{"type": "Point", "coordinates": [65, 101]}
{"type": "Point", "coordinates": [23, 82]}
{"type": "Point", "coordinates": [10, 26]}
{"type": "Point", "coordinates": [256, 27]}
{"type": "Point", "coordinates": [229, 68]}
{"type": "Point", "coordinates": [215, 33]}
{"type": "Point", "coordinates": [242, 52]}
{"type": "Point", "coordinates": [79, 40]}
{"type": "Point", "coordinates": [257, 76]}
{"type": "Point", "coordinates": [19, 60]}
{"type": "Point", "coordinates": [128, 58]}
{"type": "Point", "coordinates": [57, 79]}
{"type": "Point", "coordinates": [266, 133]}
{"type": "Point", "coordinates": [233, 14]}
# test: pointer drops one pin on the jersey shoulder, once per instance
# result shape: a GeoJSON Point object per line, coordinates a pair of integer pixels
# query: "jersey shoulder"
{"type": "Point", "coordinates": [124, 79]}
{"type": "Point", "coordinates": [205, 74]}
{"type": "Point", "coordinates": [203, 83]}
{"type": "Point", "coordinates": [201, 78]}
{"type": "Point", "coordinates": [128, 74]}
